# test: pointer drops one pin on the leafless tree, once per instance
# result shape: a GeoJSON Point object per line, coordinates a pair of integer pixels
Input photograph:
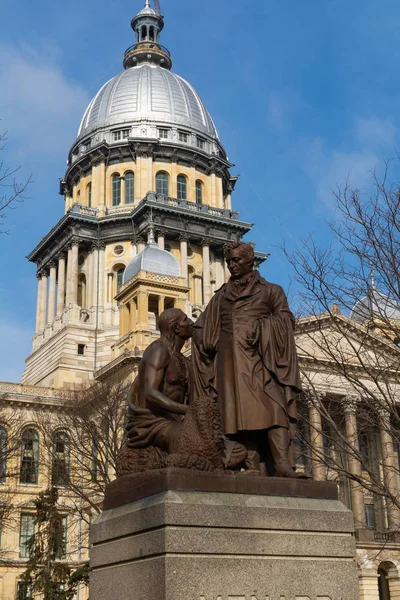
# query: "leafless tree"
{"type": "Point", "coordinates": [84, 462]}
{"type": "Point", "coordinates": [348, 335]}
{"type": "Point", "coordinates": [12, 191]}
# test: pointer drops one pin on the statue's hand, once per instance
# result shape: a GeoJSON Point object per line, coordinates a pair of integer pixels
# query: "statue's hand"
{"type": "Point", "coordinates": [183, 409]}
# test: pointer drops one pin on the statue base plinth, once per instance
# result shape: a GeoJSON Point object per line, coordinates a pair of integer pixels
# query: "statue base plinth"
{"type": "Point", "coordinates": [285, 540]}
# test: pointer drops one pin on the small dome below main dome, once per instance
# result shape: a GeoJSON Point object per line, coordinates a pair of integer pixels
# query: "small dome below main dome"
{"type": "Point", "coordinates": [375, 304]}
{"type": "Point", "coordinates": [153, 260]}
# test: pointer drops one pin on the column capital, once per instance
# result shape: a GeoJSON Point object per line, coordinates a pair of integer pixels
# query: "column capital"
{"type": "Point", "coordinates": [52, 264]}
{"type": "Point", "coordinates": [350, 403]}
{"type": "Point", "coordinates": [75, 241]}
{"type": "Point", "coordinates": [183, 237]}
{"type": "Point", "coordinates": [314, 398]}
{"type": "Point", "coordinates": [205, 242]}
{"type": "Point", "coordinates": [62, 255]}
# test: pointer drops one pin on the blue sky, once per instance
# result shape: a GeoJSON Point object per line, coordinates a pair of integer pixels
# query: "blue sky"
{"type": "Point", "coordinates": [302, 93]}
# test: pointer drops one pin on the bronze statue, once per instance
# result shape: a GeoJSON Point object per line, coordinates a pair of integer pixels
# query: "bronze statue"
{"type": "Point", "coordinates": [163, 430]}
{"type": "Point", "coordinates": [244, 355]}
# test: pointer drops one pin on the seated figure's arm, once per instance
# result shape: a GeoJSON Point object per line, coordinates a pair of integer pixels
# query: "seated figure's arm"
{"type": "Point", "coordinates": [156, 366]}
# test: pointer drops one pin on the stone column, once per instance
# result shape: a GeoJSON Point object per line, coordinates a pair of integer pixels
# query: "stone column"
{"type": "Point", "coordinates": [184, 258]}
{"type": "Point", "coordinates": [316, 440]}
{"type": "Point", "coordinates": [134, 247]}
{"type": "Point", "coordinates": [38, 299]}
{"type": "Point", "coordinates": [150, 185]}
{"type": "Point", "coordinates": [140, 244]}
{"type": "Point", "coordinates": [389, 469]}
{"type": "Point", "coordinates": [219, 273]}
{"type": "Point", "coordinates": [394, 586]}
{"type": "Point", "coordinates": [52, 293]}
{"type": "Point", "coordinates": [61, 284]}
{"type": "Point", "coordinates": [369, 584]}
{"type": "Point", "coordinates": [354, 465]}
{"type": "Point", "coordinates": [74, 272]}
{"type": "Point", "coordinates": [161, 241]}
{"type": "Point", "coordinates": [43, 301]}
{"type": "Point", "coordinates": [133, 315]}
{"type": "Point", "coordinates": [68, 277]}
{"type": "Point", "coordinates": [102, 252]}
{"type": "Point", "coordinates": [206, 272]}
{"type": "Point", "coordinates": [94, 275]}
{"type": "Point", "coordinates": [110, 298]}
{"type": "Point", "coordinates": [161, 301]}
{"type": "Point", "coordinates": [143, 310]}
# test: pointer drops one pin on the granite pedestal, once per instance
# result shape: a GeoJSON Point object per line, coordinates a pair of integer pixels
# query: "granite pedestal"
{"type": "Point", "coordinates": [293, 542]}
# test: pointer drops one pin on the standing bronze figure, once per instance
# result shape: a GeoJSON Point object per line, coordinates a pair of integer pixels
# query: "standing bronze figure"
{"type": "Point", "coordinates": [244, 355]}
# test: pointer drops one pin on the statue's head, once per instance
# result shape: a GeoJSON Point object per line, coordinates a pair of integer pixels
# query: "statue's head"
{"type": "Point", "coordinates": [239, 258]}
{"type": "Point", "coordinates": [174, 323]}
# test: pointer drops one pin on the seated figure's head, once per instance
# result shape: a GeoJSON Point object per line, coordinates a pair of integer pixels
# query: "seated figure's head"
{"type": "Point", "coordinates": [174, 323]}
{"type": "Point", "coordinates": [239, 258]}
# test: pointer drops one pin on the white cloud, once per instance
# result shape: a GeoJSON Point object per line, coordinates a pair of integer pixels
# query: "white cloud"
{"type": "Point", "coordinates": [39, 106]}
{"type": "Point", "coordinates": [372, 141]}
{"type": "Point", "coordinates": [375, 133]}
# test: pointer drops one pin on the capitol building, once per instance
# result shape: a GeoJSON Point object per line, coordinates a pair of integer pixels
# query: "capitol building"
{"type": "Point", "coordinates": [148, 211]}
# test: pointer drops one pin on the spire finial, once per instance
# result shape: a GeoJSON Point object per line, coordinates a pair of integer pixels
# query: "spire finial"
{"type": "Point", "coordinates": [372, 277]}
{"type": "Point", "coordinates": [147, 4]}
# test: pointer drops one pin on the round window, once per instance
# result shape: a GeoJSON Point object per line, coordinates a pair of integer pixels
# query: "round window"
{"type": "Point", "coordinates": [118, 250]}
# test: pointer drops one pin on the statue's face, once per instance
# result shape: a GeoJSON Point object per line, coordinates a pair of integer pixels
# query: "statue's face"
{"type": "Point", "coordinates": [237, 264]}
{"type": "Point", "coordinates": [184, 327]}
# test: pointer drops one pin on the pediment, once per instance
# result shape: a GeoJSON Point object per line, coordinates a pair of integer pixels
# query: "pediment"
{"type": "Point", "coordinates": [334, 338]}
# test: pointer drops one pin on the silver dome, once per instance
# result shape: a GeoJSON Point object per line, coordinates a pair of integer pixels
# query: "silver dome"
{"type": "Point", "coordinates": [375, 304]}
{"type": "Point", "coordinates": [147, 92]}
{"type": "Point", "coordinates": [153, 260]}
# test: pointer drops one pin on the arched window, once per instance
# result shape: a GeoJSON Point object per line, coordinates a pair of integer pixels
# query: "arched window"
{"type": "Point", "coordinates": [60, 466]}
{"type": "Point", "coordinates": [162, 183]}
{"type": "Point", "coordinates": [129, 187]}
{"type": "Point", "coordinates": [182, 187]}
{"type": "Point", "coordinates": [199, 192]}
{"type": "Point", "coordinates": [29, 471]}
{"type": "Point", "coordinates": [144, 32]}
{"type": "Point", "coordinates": [116, 190]}
{"type": "Point", "coordinates": [151, 36]}
{"type": "Point", "coordinates": [3, 453]}
{"type": "Point", "coordinates": [89, 194]}
{"type": "Point", "coordinates": [120, 276]}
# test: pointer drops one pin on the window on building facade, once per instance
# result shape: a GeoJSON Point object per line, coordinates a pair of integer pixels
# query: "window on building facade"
{"type": "Point", "coordinates": [89, 195]}
{"type": "Point", "coordinates": [183, 137]}
{"type": "Point", "coordinates": [163, 133]}
{"type": "Point", "coordinates": [129, 187]}
{"type": "Point", "coordinates": [162, 183]}
{"type": "Point", "coordinates": [116, 190]}
{"type": "Point", "coordinates": [26, 531]}
{"type": "Point", "coordinates": [182, 187]}
{"type": "Point", "coordinates": [61, 452]}
{"type": "Point", "coordinates": [199, 192]}
{"type": "Point", "coordinates": [122, 134]}
{"type": "Point", "coordinates": [60, 539]}
{"type": "Point", "coordinates": [3, 453]}
{"type": "Point", "coordinates": [201, 143]}
{"type": "Point", "coordinates": [120, 277]}
{"type": "Point", "coordinates": [81, 349]}
{"type": "Point", "coordinates": [370, 516]}
{"type": "Point", "coordinates": [24, 591]}
{"type": "Point", "coordinates": [29, 471]}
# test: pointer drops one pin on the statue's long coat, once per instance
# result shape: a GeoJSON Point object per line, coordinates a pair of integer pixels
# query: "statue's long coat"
{"type": "Point", "coordinates": [244, 354]}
